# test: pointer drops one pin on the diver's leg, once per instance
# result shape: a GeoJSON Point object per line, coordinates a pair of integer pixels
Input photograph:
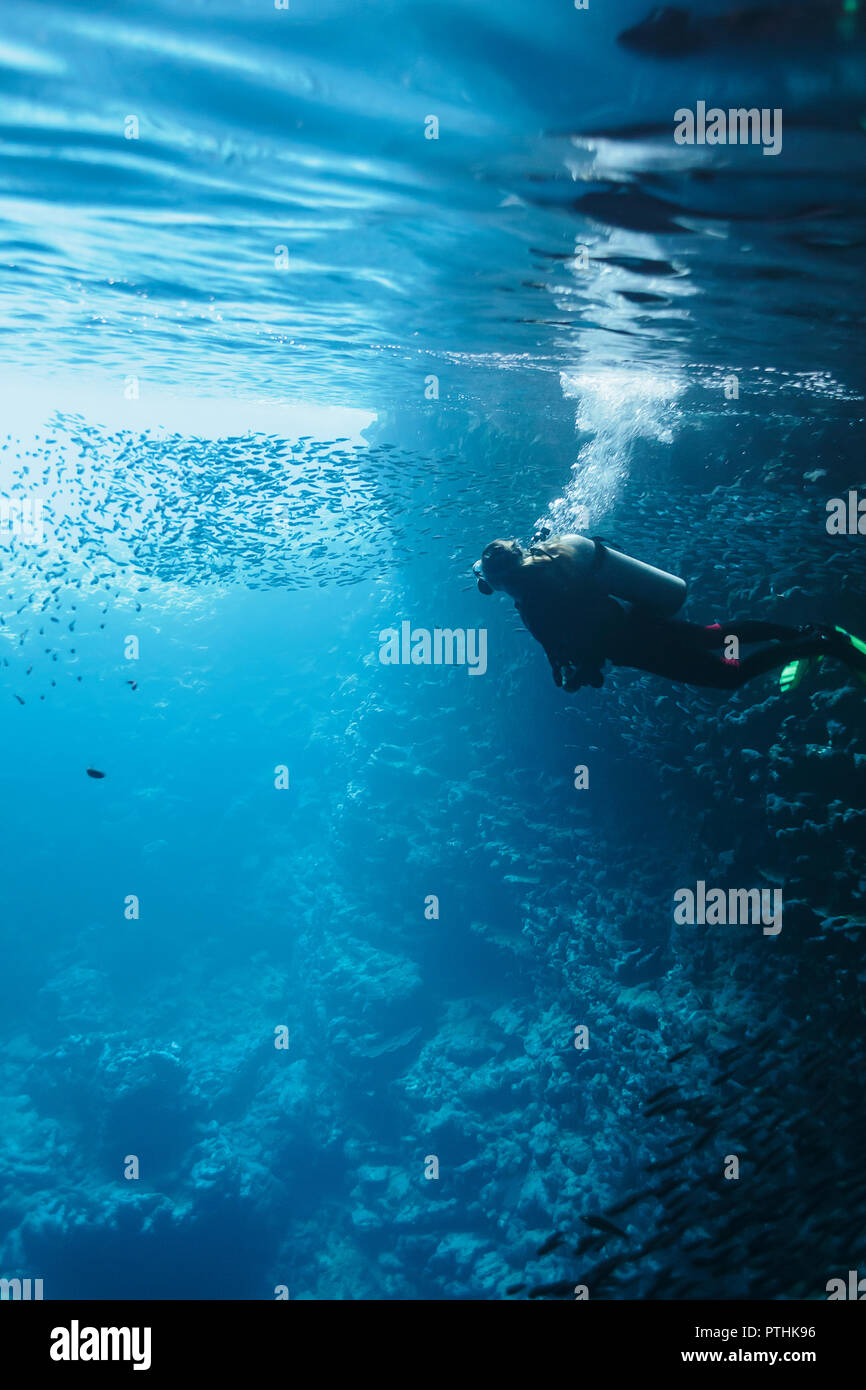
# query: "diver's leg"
{"type": "Point", "coordinates": [693, 667]}
{"type": "Point", "coordinates": [676, 650]}
{"type": "Point", "coordinates": [747, 630]}
{"type": "Point", "coordinates": [673, 648]}
{"type": "Point", "coordinates": [681, 661]}
{"type": "Point", "coordinates": [752, 630]}
{"type": "Point", "coordinates": [828, 644]}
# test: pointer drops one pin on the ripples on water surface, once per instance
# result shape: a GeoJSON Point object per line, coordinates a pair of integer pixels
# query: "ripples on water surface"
{"type": "Point", "coordinates": [261, 128]}
{"type": "Point", "coordinates": [531, 317]}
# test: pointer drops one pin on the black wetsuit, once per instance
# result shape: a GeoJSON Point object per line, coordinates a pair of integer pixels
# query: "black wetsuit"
{"type": "Point", "coordinates": [580, 630]}
{"type": "Point", "coordinates": [692, 653]}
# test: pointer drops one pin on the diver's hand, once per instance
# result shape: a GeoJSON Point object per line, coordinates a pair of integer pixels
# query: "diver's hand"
{"type": "Point", "coordinates": [577, 676]}
{"type": "Point", "coordinates": [572, 680]}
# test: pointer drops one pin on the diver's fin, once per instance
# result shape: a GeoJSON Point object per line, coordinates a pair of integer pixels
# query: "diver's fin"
{"type": "Point", "coordinates": [859, 646]}
{"type": "Point", "coordinates": [793, 675]}
{"type": "Point", "coordinates": [855, 641]}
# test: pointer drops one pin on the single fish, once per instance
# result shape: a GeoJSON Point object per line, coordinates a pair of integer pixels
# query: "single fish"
{"type": "Point", "coordinates": [601, 1223]}
{"type": "Point", "coordinates": [551, 1243]}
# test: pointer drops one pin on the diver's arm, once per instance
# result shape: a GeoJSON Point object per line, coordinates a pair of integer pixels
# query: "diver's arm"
{"type": "Point", "coordinates": [582, 651]}
{"type": "Point", "coordinates": [572, 632]}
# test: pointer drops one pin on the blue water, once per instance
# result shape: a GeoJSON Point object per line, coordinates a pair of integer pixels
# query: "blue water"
{"type": "Point", "coordinates": [276, 369]}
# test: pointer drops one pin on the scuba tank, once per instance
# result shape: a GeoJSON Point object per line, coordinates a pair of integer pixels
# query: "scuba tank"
{"type": "Point", "coordinates": [621, 576]}
{"type": "Point", "coordinates": [599, 565]}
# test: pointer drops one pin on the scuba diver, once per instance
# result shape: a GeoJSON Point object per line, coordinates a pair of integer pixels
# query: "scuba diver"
{"type": "Point", "coordinates": [569, 591]}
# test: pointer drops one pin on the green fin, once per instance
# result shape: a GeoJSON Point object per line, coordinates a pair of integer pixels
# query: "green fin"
{"type": "Point", "coordinates": [855, 641]}
{"type": "Point", "coordinates": [858, 646]}
{"type": "Point", "coordinates": [795, 672]}
{"type": "Point", "coordinates": [791, 675]}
